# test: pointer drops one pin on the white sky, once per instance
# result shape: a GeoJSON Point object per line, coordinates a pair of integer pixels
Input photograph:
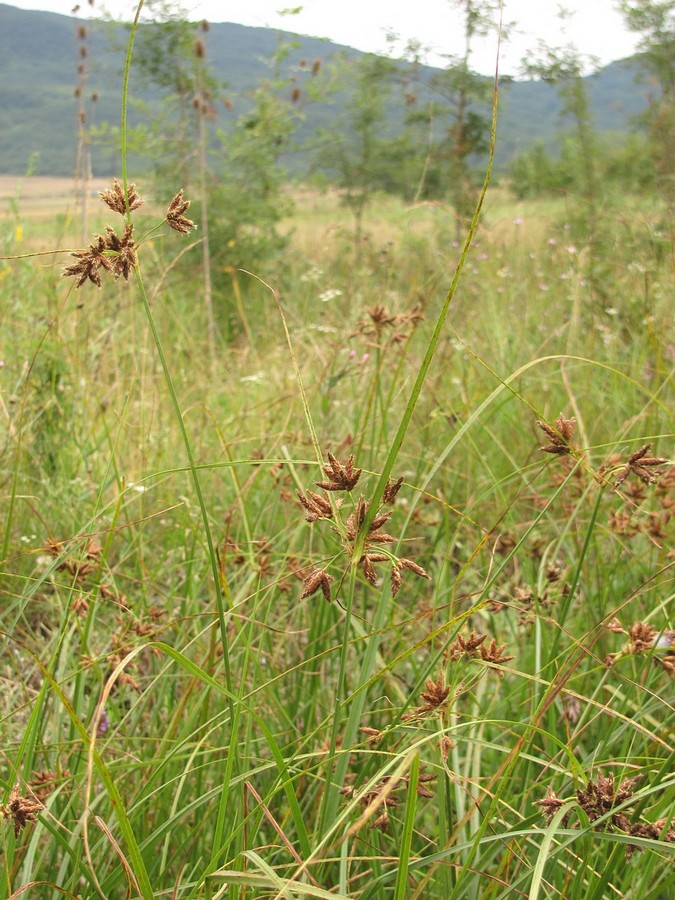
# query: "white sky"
{"type": "Point", "coordinates": [596, 28]}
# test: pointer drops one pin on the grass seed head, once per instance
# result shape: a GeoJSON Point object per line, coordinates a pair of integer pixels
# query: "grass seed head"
{"type": "Point", "coordinates": [20, 810]}
{"type": "Point", "coordinates": [642, 466]}
{"type": "Point", "coordinates": [341, 476]}
{"type": "Point", "coordinates": [560, 436]}
{"type": "Point", "coordinates": [175, 214]}
{"type": "Point", "coordinates": [319, 580]}
{"type": "Point", "coordinates": [114, 198]}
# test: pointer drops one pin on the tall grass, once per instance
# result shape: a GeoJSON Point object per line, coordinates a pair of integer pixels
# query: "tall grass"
{"type": "Point", "coordinates": [192, 725]}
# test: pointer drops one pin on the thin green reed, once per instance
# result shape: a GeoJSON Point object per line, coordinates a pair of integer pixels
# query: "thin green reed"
{"type": "Point", "coordinates": [220, 598]}
{"type": "Point", "coordinates": [231, 761]}
{"type": "Point", "coordinates": [360, 692]}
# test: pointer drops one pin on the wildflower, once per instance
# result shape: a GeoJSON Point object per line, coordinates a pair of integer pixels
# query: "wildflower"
{"type": "Point", "coordinates": [317, 580]}
{"type": "Point", "coordinates": [20, 810]}
{"type": "Point", "coordinates": [435, 696]}
{"type": "Point", "coordinates": [114, 198]}
{"type": "Point", "coordinates": [175, 217]}
{"type": "Point", "coordinates": [103, 724]}
{"type": "Point", "coordinates": [330, 294]}
{"type": "Point", "coordinates": [341, 477]}
{"type": "Point", "coordinates": [317, 507]}
{"type": "Point", "coordinates": [640, 464]}
{"type": "Point", "coordinates": [560, 436]}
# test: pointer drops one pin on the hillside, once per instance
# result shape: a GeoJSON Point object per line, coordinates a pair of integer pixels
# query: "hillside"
{"type": "Point", "coordinates": [38, 107]}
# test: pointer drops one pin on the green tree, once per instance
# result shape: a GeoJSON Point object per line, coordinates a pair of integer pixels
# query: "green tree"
{"type": "Point", "coordinates": [459, 93]}
{"type": "Point", "coordinates": [355, 151]}
{"type": "Point", "coordinates": [654, 20]}
{"type": "Point", "coordinates": [565, 67]}
{"type": "Point", "coordinates": [225, 150]}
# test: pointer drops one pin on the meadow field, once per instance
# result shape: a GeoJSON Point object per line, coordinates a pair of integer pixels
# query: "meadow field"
{"type": "Point", "coordinates": [325, 613]}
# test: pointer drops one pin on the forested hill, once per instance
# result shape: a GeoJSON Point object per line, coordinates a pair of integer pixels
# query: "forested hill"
{"type": "Point", "coordinates": [40, 54]}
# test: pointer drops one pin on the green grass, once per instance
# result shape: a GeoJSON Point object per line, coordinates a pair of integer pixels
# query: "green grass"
{"type": "Point", "coordinates": [201, 720]}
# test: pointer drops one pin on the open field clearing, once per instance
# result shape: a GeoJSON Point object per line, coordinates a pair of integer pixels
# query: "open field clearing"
{"type": "Point", "coordinates": [337, 516]}
{"type": "Point", "coordinates": [500, 642]}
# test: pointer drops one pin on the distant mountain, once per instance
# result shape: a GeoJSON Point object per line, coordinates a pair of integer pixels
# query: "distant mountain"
{"type": "Point", "coordinates": [38, 109]}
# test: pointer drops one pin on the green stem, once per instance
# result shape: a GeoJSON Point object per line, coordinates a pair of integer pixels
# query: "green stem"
{"type": "Point", "coordinates": [430, 351]}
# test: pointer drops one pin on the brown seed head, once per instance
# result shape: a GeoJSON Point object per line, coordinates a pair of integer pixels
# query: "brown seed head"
{"type": "Point", "coordinates": [315, 581]}
{"type": "Point", "coordinates": [435, 693]}
{"type": "Point", "coordinates": [641, 637]}
{"type": "Point", "coordinates": [21, 810]}
{"type": "Point", "coordinates": [317, 507]}
{"type": "Point", "coordinates": [114, 198]}
{"type": "Point", "coordinates": [550, 805]}
{"type": "Point", "coordinates": [494, 655]}
{"type": "Point", "coordinates": [642, 466]}
{"type": "Point", "coordinates": [175, 217]}
{"type": "Point", "coordinates": [341, 476]}
{"type": "Point", "coordinates": [560, 436]}
{"type": "Point", "coordinates": [391, 490]}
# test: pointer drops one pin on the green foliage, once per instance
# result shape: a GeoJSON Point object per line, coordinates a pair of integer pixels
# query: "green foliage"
{"type": "Point", "coordinates": [36, 93]}
{"type": "Point", "coordinates": [377, 605]}
{"type": "Point", "coordinates": [655, 21]}
{"type": "Point", "coordinates": [248, 193]}
{"type": "Point", "coordinates": [622, 164]}
{"type": "Point", "coordinates": [354, 151]}
{"type": "Point", "coordinates": [522, 546]}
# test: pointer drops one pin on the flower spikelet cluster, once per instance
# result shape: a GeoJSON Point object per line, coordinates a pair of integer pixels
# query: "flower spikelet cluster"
{"type": "Point", "coordinates": [642, 466]}
{"type": "Point", "coordinates": [342, 477]}
{"type": "Point", "coordinates": [603, 799]}
{"type": "Point", "coordinates": [20, 810]}
{"type": "Point", "coordinates": [114, 253]}
{"type": "Point", "coordinates": [175, 214]}
{"type": "Point", "coordinates": [384, 796]}
{"type": "Point", "coordinates": [435, 696]}
{"type": "Point", "coordinates": [114, 198]}
{"type": "Point", "coordinates": [641, 638]}
{"type": "Point", "coordinates": [560, 436]}
{"type": "Point", "coordinates": [474, 647]}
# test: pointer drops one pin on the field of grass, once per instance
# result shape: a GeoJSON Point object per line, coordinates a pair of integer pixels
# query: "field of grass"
{"type": "Point", "coordinates": [221, 679]}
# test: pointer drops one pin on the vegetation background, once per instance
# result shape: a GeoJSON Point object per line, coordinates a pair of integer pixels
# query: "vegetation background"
{"type": "Point", "coordinates": [335, 540]}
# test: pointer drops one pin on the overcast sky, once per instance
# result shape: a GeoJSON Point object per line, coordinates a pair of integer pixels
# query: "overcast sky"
{"type": "Point", "coordinates": [595, 28]}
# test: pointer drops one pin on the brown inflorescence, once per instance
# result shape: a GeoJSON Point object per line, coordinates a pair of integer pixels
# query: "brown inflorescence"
{"type": "Point", "coordinates": [20, 810]}
{"type": "Point", "coordinates": [111, 252]}
{"type": "Point", "coordinates": [602, 799]}
{"type": "Point", "coordinates": [115, 198]}
{"type": "Point", "coordinates": [642, 466]}
{"type": "Point", "coordinates": [175, 214]}
{"type": "Point", "coordinates": [560, 436]}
